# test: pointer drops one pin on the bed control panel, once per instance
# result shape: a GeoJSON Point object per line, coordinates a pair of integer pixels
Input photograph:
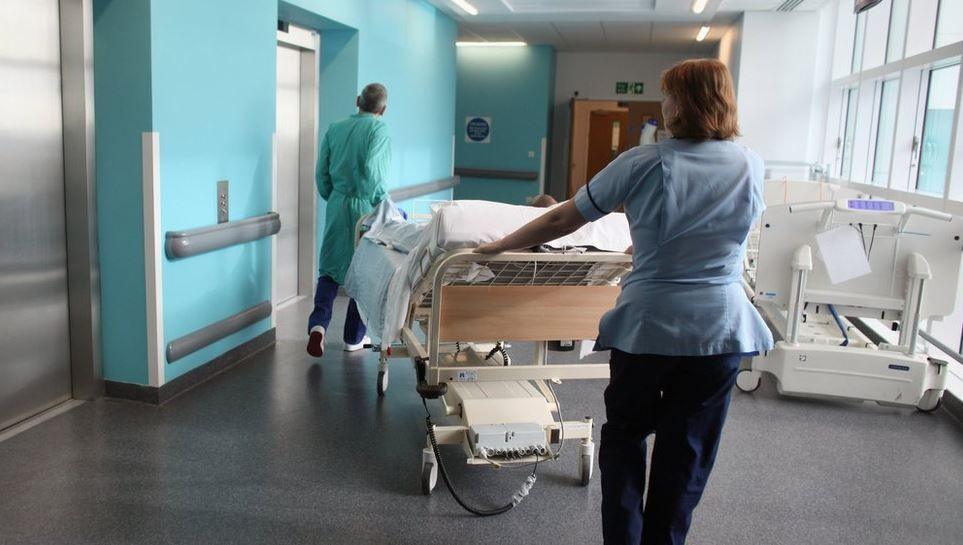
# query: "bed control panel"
{"type": "Point", "coordinates": [872, 205]}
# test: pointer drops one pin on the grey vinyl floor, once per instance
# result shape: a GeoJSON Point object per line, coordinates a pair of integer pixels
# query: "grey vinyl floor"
{"type": "Point", "coordinates": [287, 449]}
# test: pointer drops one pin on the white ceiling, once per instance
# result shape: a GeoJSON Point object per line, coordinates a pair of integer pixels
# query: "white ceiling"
{"type": "Point", "coordinates": [667, 26]}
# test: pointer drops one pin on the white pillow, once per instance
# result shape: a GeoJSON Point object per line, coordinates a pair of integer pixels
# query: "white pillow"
{"type": "Point", "coordinates": [466, 224]}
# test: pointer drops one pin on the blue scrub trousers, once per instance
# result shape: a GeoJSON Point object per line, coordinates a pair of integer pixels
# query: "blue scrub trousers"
{"type": "Point", "coordinates": [683, 400]}
{"type": "Point", "coordinates": [324, 296]}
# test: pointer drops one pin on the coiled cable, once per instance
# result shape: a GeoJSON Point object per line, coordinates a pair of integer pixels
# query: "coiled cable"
{"type": "Point", "coordinates": [517, 497]}
{"type": "Point", "coordinates": [500, 349]}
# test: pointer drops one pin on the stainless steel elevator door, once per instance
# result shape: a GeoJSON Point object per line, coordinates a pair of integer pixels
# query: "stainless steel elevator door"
{"type": "Point", "coordinates": [34, 355]}
{"type": "Point", "coordinates": [288, 171]}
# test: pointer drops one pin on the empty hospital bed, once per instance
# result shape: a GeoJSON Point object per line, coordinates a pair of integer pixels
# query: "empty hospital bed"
{"type": "Point", "coordinates": [828, 345]}
{"type": "Point", "coordinates": [443, 302]}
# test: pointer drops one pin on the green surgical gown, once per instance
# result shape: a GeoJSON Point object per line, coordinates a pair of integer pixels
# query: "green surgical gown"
{"type": "Point", "coordinates": [352, 165]}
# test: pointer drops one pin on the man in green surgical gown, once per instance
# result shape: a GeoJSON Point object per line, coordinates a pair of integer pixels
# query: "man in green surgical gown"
{"type": "Point", "coordinates": [352, 166]}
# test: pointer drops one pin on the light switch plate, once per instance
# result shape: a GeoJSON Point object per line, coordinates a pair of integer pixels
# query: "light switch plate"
{"type": "Point", "coordinates": [222, 202]}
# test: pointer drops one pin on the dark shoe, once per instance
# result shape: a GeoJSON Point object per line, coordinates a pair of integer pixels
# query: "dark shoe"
{"type": "Point", "coordinates": [316, 342]}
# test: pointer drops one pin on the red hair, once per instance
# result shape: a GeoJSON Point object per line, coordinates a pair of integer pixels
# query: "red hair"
{"type": "Point", "coordinates": [705, 100]}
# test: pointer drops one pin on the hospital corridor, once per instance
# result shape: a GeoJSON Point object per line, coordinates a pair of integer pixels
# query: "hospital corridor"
{"type": "Point", "coordinates": [644, 272]}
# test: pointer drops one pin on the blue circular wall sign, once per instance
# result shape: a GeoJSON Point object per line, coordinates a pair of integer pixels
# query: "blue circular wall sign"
{"type": "Point", "coordinates": [478, 129]}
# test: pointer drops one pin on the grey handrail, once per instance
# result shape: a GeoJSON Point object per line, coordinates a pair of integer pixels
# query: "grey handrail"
{"type": "Point", "coordinates": [181, 244]}
{"type": "Point", "coordinates": [492, 173]}
{"type": "Point", "coordinates": [943, 347]}
{"type": "Point", "coordinates": [427, 188]}
{"type": "Point", "coordinates": [205, 336]}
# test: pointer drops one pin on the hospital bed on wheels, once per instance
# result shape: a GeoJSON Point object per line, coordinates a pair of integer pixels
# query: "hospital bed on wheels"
{"type": "Point", "coordinates": [505, 413]}
{"type": "Point", "coordinates": [827, 345]}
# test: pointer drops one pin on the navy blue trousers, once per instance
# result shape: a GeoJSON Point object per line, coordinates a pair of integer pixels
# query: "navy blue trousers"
{"type": "Point", "coordinates": [324, 296]}
{"type": "Point", "coordinates": [683, 400]}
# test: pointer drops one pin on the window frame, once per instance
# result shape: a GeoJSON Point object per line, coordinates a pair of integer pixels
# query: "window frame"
{"type": "Point", "coordinates": [924, 107]}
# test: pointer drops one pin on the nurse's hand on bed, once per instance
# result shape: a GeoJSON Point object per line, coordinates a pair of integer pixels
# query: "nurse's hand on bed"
{"type": "Point", "coordinates": [630, 250]}
{"type": "Point", "coordinates": [559, 221]}
{"type": "Point", "coordinates": [489, 248]}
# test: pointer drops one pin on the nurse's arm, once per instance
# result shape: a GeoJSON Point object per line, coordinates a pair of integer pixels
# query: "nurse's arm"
{"type": "Point", "coordinates": [556, 223]}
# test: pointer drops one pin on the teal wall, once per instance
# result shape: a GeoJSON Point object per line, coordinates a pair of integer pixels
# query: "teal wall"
{"type": "Point", "coordinates": [213, 85]}
{"type": "Point", "coordinates": [407, 45]}
{"type": "Point", "coordinates": [203, 75]}
{"type": "Point", "coordinates": [515, 87]}
{"type": "Point", "coordinates": [122, 95]}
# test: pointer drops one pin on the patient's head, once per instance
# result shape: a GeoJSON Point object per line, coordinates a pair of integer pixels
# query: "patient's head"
{"type": "Point", "coordinates": [544, 201]}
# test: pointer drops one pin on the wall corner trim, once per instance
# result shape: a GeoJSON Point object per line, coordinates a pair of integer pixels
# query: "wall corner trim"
{"type": "Point", "coordinates": [153, 274]}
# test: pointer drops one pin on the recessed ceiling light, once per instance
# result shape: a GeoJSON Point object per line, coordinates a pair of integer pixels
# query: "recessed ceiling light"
{"type": "Point", "coordinates": [490, 44]}
{"type": "Point", "coordinates": [703, 32]}
{"type": "Point", "coordinates": [698, 6]}
{"type": "Point", "coordinates": [468, 8]}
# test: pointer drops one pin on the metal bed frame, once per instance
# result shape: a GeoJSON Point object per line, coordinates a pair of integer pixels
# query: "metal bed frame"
{"type": "Point", "coordinates": [530, 297]}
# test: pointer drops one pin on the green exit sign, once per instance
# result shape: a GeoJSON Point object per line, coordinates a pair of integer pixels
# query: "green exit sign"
{"type": "Point", "coordinates": [622, 88]}
{"type": "Point", "coordinates": [638, 88]}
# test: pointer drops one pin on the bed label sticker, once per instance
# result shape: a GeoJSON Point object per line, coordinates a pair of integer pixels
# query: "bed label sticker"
{"type": "Point", "coordinates": [466, 376]}
{"type": "Point", "coordinates": [899, 367]}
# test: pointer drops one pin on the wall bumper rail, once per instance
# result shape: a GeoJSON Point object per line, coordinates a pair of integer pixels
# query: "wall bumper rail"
{"type": "Point", "coordinates": [500, 174]}
{"type": "Point", "coordinates": [196, 340]}
{"type": "Point", "coordinates": [420, 190]}
{"type": "Point", "coordinates": [181, 244]}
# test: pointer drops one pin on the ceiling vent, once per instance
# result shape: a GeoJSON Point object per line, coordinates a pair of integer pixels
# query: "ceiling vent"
{"type": "Point", "coordinates": [789, 5]}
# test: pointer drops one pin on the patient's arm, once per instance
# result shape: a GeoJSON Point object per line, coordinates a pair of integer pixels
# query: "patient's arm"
{"type": "Point", "coordinates": [556, 223]}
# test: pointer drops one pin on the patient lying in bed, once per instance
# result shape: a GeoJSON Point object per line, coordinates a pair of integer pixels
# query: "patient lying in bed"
{"type": "Point", "coordinates": [394, 253]}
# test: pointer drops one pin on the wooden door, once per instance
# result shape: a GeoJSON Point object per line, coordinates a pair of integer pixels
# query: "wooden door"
{"type": "Point", "coordinates": [608, 135]}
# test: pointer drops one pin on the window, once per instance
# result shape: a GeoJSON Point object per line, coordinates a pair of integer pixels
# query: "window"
{"type": "Point", "coordinates": [921, 26]}
{"type": "Point", "coordinates": [949, 23]}
{"type": "Point", "coordinates": [858, 36]}
{"type": "Point", "coordinates": [898, 15]}
{"type": "Point", "coordinates": [885, 131]}
{"type": "Point", "coordinates": [937, 129]}
{"type": "Point", "coordinates": [849, 127]}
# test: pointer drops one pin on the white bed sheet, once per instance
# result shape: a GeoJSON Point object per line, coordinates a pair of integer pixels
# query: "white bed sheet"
{"type": "Point", "coordinates": [376, 269]}
{"type": "Point", "coordinates": [381, 277]}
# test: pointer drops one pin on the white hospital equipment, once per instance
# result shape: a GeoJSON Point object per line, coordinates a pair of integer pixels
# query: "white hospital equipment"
{"type": "Point", "coordinates": [457, 303]}
{"type": "Point", "coordinates": [827, 345]}
{"type": "Point", "coordinates": [776, 192]}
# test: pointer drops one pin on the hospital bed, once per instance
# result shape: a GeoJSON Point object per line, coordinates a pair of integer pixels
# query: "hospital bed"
{"type": "Point", "coordinates": [777, 192]}
{"type": "Point", "coordinates": [458, 303]}
{"type": "Point", "coordinates": [826, 342]}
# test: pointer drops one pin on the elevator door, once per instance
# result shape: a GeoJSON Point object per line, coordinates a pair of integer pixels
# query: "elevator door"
{"type": "Point", "coordinates": [34, 357]}
{"type": "Point", "coordinates": [288, 170]}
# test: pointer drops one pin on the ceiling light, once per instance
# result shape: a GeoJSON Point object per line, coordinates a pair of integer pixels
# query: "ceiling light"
{"type": "Point", "coordinates": [698, 6]}
{"type": "Point", "coordinates": [490, 44]}
{"type": "Point", "coordinates": [472, 10]}
{"type": "Point", "coordinates": [703, 32]}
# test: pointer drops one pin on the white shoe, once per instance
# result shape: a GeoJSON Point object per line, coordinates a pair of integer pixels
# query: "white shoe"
{"type": "Point", "coordinates": [355, 347]}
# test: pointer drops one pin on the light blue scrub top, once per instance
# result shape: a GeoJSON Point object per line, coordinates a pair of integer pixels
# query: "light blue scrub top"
{"type": "Point", "coordinates": [690, 206]}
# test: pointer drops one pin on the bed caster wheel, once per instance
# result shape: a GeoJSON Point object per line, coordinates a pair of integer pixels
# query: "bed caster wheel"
{"type": "Point", "coordinates": [585, 470]}
{"type": "Point", "coordinates": [748, 380]}
{"type": "Point", "coordinates": [930, 401]}
{"type": "Point", "coordinates": [429, 472]}
{"type": "Point", "coordinates": [382, 382]}
{"type": "Point", "coordinates": [586, 463]}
